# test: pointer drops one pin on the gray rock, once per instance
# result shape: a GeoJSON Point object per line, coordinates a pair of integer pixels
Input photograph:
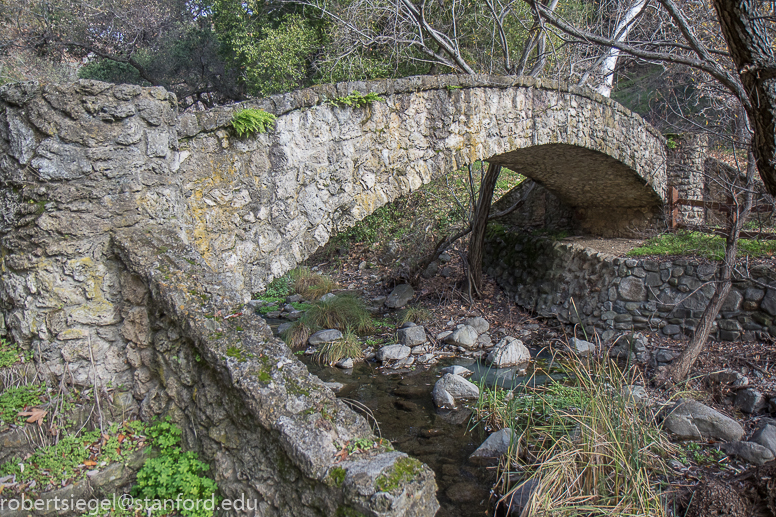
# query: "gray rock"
{"type": "Point", "coordinates": [753, 453]}
{"type": "Point", "coordinates": [581, 347]}
{"type": "Point", "coordinates": [325, 336]}
{"type": "Point", "coordinates": [327, 297]}
{"type": "Point", "coordinates": [284, 327]}
{"type": "Point", "coordinates": [484, 340]}
{"type": "Point", "coordinates": [422, 349]}
{"type": "Point", "coordinates": [457, 370]}
{"type": "Point", "coordinates": [508, 352]}
{"type": "Point", "coordinates": [442, 335]}
{"type": "Point", "coordinates": [431, 270]}
{"type": "Point", "coordinates": [724, 377]}
{"type": "Point", "coordinates": [772, 404]}
{"type": "Point", "coordinates": [444, 257]}
{"type": "Point", "coordinates": [631, 347]}
{"type": "Point", "coordinates": [750, 400]}
{"type": "Point", "coordinates": [671, 330]}
{"type": "Point", "coordinates": [691, 420]}
{"type": "Point", "coordinates": [765, 435]}
{"type": "Point", "coordinates": [345, 364]}
{"type": "Point", "coordinates": [480, 324]}
{"type": "Point", "coordinates": [426, 359]}
{"type": "Point", "coordinates": [293, 315]}
{"type": "Point", "coordinates": [407, 324]}
{"type": "Point", "coordinates": [295, 298]}
{"type": "Point", "coordinates": [768, 304]}
{"type": "Point", "coordinates": [458, 387]}
{"type": "Point", "coordinates": [465, 336]}
{"type": "Point", "coordinates": [336, 387]}
{"type": "Point", "coordinates": [400, 296]}
{"type": "Point", "coordinates": [636, 394]}
{"type": "Point", "coordinates": [665, 356]}
{"type": "Point", "coordinates": [496, 445]}
{"type": "Point", "coordinates": [443, 399]}
{"type": "Point", "coordinates": [393, 353]}
{"type": "Point", "coordinates": [412, 336]}
{"type": "Point", "coordinates": [632, 289]}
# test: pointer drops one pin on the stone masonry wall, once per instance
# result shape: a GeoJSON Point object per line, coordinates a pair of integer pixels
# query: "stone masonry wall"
{"type": "Point", "coordinates": [613, 294]}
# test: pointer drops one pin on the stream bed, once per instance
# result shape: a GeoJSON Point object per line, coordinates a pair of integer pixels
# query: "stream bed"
{"type": "Point", "coordinates": [401, 403]}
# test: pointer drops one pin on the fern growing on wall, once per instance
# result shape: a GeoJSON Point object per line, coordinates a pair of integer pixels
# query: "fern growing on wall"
{"type": "Point", "coordinates": [355, 99]}
{"type": "Point", "coordinates": [252, 121]}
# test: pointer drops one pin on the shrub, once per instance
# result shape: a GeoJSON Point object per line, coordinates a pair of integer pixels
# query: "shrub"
{"type": "Point", "coordinates": [341, 312]}
{"type": "Point", "coordinates": [355, 99]}
{"type": "Point", "coordinates": [415, 314]}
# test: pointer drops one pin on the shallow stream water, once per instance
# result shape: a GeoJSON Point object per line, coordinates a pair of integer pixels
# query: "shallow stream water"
{"type": "Point", "coordinates": [401, 403]}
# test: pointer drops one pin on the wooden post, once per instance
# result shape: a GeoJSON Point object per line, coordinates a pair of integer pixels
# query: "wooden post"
{"type": "Point", "coordinates": [673, 207]}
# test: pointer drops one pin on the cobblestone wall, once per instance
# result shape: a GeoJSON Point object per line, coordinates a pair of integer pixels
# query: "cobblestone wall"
{"type": "Point", "coordinates": [612, 295]}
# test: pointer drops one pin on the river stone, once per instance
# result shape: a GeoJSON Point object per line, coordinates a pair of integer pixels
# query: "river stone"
{"type": "Point", "coordinates": [393, 353]}
{"type": "Point", "coordinates": [728, 376]}
{"type": "Point", "coordinates": [691, 420]}
{"type": "Point", "coordinates": [325, 336]}
{"type": "Point", "coordinates": [458, 387]}
{"type": "Point", "coordinates": [480, 324]}
{"type": "Point", "coordinates": [336, 387]}
{"type": "Point", "coordinates": [493, 448]}
{"type": "Point", "coordinates": [750, 400]}
{"type": "Point", "coordinates": [412, 336]}
{"type": "Point", "coordinates": [400, 295]}
{"type": "Point", "coordinates": [457, 370]}
{"type": "Point", "coordinates": [581, 347]}
{"type": "Point", "coordinates": [345, 364]}
{"type": "Point", "coordinates": [443, 399]}
{"type": "Point", "coordinates": [284, 327]}
{"type": "Point", "coordinates": [465, 336]}
{"type": "Point", "coordinates": [443, 335]}
{"type": "Point", "coordinates": [753, 453]}
{"type": "Point", "coordinates": [327, 297]}
{"type": "Point", "coordinates": [508, 352]}
{"type": "Point", "coordinates": [765, 435]}
{"type": "Point", "coordinates": [632, 347]}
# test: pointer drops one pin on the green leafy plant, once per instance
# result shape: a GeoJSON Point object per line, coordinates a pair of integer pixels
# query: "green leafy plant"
{"type": "Point", "coordinates": [10, 354]}
{"type": "Point", "coordinates": [16, 398]}
{"type": "Point", "coordinates": [252, 121]}
{"type": "Point", "coordinates": [355, 99]}
{"type": "Point", "coordinates": [174, 474]}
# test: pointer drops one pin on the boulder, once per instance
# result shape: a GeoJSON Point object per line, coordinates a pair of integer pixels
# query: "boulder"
{"type": "Point", "coordinates": [508, 352]}
{"type": "Point", "coordinates": [393, 353]}
{"type": "Point", "coordinates": [494, 447]}
{"type": "Point", "coordinates": [765, 435]}
{"type": "Point", "coordinates": [465, 336]}
{"type": "Point", "coordinates": [400, 296]}
{"type": "Point", "coordinates": [412, 336]}
{"type": "Point", "coordinates": [481, 325]}
{"type": "Point", "coordinates": [581, 347]}
{"type": "Point", "coordinates": [753, 453]}
{"type": "Point", "coordinates": [457, 370]}
{"type": "Point", "coordinates": [691, 420]}
{"type": "Point", "coordinates": [750, 400]}
{"type": "Point", "coordinates": [458, 388]}
{"type": "Point", "coordinates": [325, 336]}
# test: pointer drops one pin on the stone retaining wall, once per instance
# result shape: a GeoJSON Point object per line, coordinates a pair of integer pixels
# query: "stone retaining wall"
{"type": "Point", "coordinates": [612, 295]}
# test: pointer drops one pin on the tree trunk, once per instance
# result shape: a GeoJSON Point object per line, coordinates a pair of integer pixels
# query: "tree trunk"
{"type": "Point", "coordinates": [482, 211]}
{"type": "Point", "coordinates": [752, 52]}
{"type": "Point", "coordinates": [680, 369]}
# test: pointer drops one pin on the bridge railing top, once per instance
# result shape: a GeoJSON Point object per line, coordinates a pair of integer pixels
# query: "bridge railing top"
{"type": "Point", "coordinates": [280, 104]}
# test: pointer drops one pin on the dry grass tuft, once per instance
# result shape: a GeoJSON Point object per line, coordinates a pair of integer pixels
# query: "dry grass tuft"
{"type": "Point", "coordinates": [311, 285]}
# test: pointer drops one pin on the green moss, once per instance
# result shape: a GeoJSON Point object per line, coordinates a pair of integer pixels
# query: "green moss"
{"type": "Point", "coordinates": [337, 475]}
{"type": "Point", "coordinates": [347, 511]}
{"type": "Point", "coordinates": [405, 469]}
{"type": "Point", "coordinates": [266, 369]}
{"type": "Point", "coordinates": [235, 353]}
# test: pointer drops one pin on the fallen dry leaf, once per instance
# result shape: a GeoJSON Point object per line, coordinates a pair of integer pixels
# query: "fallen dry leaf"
{"type": "Point", "coordinates": [90, 463]}
{"type": "Point", "coordinates": [35, 415]}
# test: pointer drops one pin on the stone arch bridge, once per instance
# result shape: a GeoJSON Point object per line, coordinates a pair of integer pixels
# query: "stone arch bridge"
{"type": "Point", "coordinates": [131, 235]}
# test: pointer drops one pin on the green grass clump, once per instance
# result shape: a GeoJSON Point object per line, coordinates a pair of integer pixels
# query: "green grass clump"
{"type": "Point", "coordinates": [701, 244]}
{"type": "Point", "coordinates": [16, 398]}
{"type": "Point", "coordinates": [175, 473]}
{"type": "Point", "coordinates": [10, 354]}
{"type": "Point", "coordinates": [311, 285]}
{"type": "Point", "coordinates": [331, 353]}
{"type": "Point", "coordinates": [415, 314]}
{"type": "Point", "coordinates": [251, 121]}
{"type": "Point", "coordinates": [342, 312]}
